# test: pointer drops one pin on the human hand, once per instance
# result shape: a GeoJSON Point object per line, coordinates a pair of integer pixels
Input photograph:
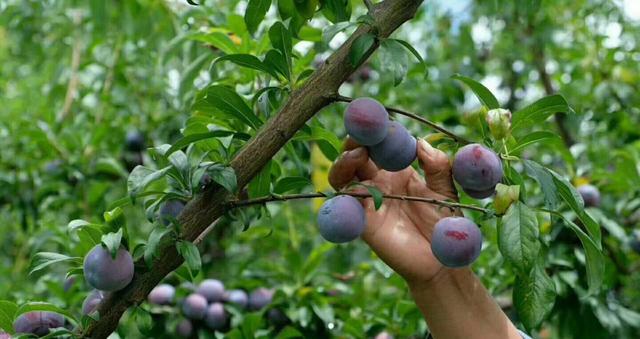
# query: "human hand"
{"type": "Point", "coordinates": [400, 231]}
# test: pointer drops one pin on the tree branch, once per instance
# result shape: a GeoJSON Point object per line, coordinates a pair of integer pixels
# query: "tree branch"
{"type": "Point", "coordinates": [301, 105]}
{"type": "Point", "coordinates": [414, 116]}
{"type": "Point", "coordinates": [272, 198]}
{"type": "Point", "coordinates": [539, 58]}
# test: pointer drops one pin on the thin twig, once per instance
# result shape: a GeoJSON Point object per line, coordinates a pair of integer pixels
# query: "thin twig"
{"type": "Point", "coordinates": [72, 87]}
{"type": "Point", "coordinates": [206, 231]}
{"type": "Point", "coordinates": [414, 116]}
{"type": "Point", "coordinates": [275, 197]}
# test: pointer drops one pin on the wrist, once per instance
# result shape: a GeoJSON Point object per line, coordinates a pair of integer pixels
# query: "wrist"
{"type": "Point", "coordinates": [445, 278]}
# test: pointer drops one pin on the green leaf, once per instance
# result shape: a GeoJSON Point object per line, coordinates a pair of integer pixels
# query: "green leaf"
{"type": "Point", "coordinates": [538, 173]}
{"type": "Point", "coordinates": [225, 177]}
{"type": "Point", "coordinates": [336, 10]}
{"type": "Point", "coordinates": [143, 320]}
{"type": "Point", "coordinates": [255, 12]}
{"type": "Point", "coordinates": [533, 296]}
{"type": "Point", "coordinates": [314, 260]}
{"type": "Point", "coordinates": [153, 244]}
{"type": "Point", "coordinates": [360, 49]}
{"type": "Point", "coordinates": [394, 60]}
{"type": "Point", "coordinates": [224, 100]}
{"type": "Point", "coordinates": [248, 61]}
{"type": "Point", "coordinates": [409, 48]}
{"type": "Point", "coordinates": [43, 259]}
{"type": "Point", "coordinates": [539, 111]}
{"type": "Point", "coordinates": [218, 40]}
{"type": "Point", "coordinates": [532, 138]}
{"type": "Point", "coordinates": [141, 177]}
{"type": "Point", "coordinates": [570, 195]}
{"type": "Point", "coordinates": [261, 184]}
{"type": "Point", "coordinates": [191, 255]}
{"type": "Point", "coordinates": [43, 306]}
{"type": "Point", "coordinates": [288, 333]}
{"type": "Point", "coordinates": [518, 237]}
{"type": "Point", "coordinates": [376, 195]}
{"type": "Point", "coordinates": [7, 314]}
{"type": "Point", "coordinates": [482, 93]}
{"type": "Point", "coordinates": [191, 138]}
{"type": "Point", "coordinates": [290, 183]}
{"type": "Point", "coordinates": [112, 242]}
{"type": "Point", "coordinates": [330, 31]}
{"type": "Point", "coordinates": [276, 61]}
{"type": "Point", "coordinates": [594, 257]}
{"type": "Point", "coordinates": [179, 160]}
{"type": "Point", "coordinates": [281, 40]}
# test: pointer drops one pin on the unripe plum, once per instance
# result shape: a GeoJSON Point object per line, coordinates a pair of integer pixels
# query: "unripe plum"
{"type": "Point", "coordinates": [92, 301]}
{"type": "Point", "coordinates": [456, 241]}
{"type": "Point", "coordinates": [184, 328]}
{"type": "Point", "coordinates": [260, 298]}
{"type": "Point", "coordinates": [216, 316]}
{"type": "Point", "coordinates": [134, 141]}
{"type": "Point", "coordinates": [170, 210]}
{"type": "Point", "coordinates": [211, 289]}
{"type": "Point", "coordinates": [366, 121]}
{"type": "Point", "coordinates": [396, 151]}
{"type": "Point", "coordinates": [238, 297]}
{"type": "Point", "coordinates": [38, 322]}
{"type": "Point", "coordinates": [194, 306]}
{"type": "Point", "coordinates": [590, 194]}
{"type": "Point", "coordinates": [341, 219]}
{"type": "Point", "coordinates": [162, 294]}
{"type": "Point", "coordinates": [104, 273]}
{"type": "Point", "coordinates": [478, 170]}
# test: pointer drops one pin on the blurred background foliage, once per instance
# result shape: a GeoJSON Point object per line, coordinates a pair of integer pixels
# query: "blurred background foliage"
{"type": "Point", "coordinates": [77, 76]}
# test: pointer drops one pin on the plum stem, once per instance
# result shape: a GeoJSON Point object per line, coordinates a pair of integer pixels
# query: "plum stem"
{"type": "Point", "coordinates": [414, 116]}
{"type": "Point", "coordinates": [273, 198]}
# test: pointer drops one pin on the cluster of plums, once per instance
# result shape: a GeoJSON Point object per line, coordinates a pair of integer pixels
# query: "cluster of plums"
{"type": "Point", "coordinates": [456, 242]}
{"type": "Point", "coordinates": [204, 307]}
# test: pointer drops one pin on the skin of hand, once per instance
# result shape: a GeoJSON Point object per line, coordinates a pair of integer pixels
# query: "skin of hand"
{"type": "Point", "coordinates": [400, 231]}
{"type": "Point", "coordinates": [454, 302]}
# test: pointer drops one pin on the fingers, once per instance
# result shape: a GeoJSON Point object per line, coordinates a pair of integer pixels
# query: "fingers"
{"type": "Point", "coordinates": [437, 169]}
{"type": "Point", "coordinates": [351, 165]}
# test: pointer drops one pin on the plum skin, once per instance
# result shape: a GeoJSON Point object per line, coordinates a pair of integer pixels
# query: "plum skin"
{"type": "Point", "coordinates": [170, 210]}
{"type": "Point", "coordinates": [396, 151]}
{"type": "Point", "coordinates": [341, 219]}
{"type": "Point", "coordinates": [590, 194]}
{"type": "Point", "coordinates": [238, 297]}
{"type": "Point", "coordinates": [456, 242]}
{"type": "Point", "coordinates": [194, 306]}
{"type": "Point", "coordinates": [184, 328]}
{"type": "Point", "coordinates": [104, 273]}
{"type": "Point", "coordinates": [92, 301]}
{"type": "Point", "coordinates": [38, 322]}
{"type": "Point", "coordinates": [260, 298]}
{"type": "Point", "coordinates": [134, 141]}
{"type": "Point", "coordinates": [366, 121]}
{"type": "Point", "coordinates": [216, 316]}
{"type": "Point", "coordinates": [478, 170]}
{"type": "Point", "coordinates": [211, 289]}
{"type": "Point", "coordinates": [162, 294]}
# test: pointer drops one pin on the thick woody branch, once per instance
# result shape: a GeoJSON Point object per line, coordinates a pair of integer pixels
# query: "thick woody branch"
{"type": "Point", "coordinates": [302, 104]}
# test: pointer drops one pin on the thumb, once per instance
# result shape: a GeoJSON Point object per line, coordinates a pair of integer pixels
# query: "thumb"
{"type": "Point", "coordinates": [437, 170]}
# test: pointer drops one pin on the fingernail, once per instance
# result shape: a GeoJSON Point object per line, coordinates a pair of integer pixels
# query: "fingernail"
{"type": "Point", "coordinates": [424, 144]}
{"type": "Point", "coordinates": [358, 152]}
